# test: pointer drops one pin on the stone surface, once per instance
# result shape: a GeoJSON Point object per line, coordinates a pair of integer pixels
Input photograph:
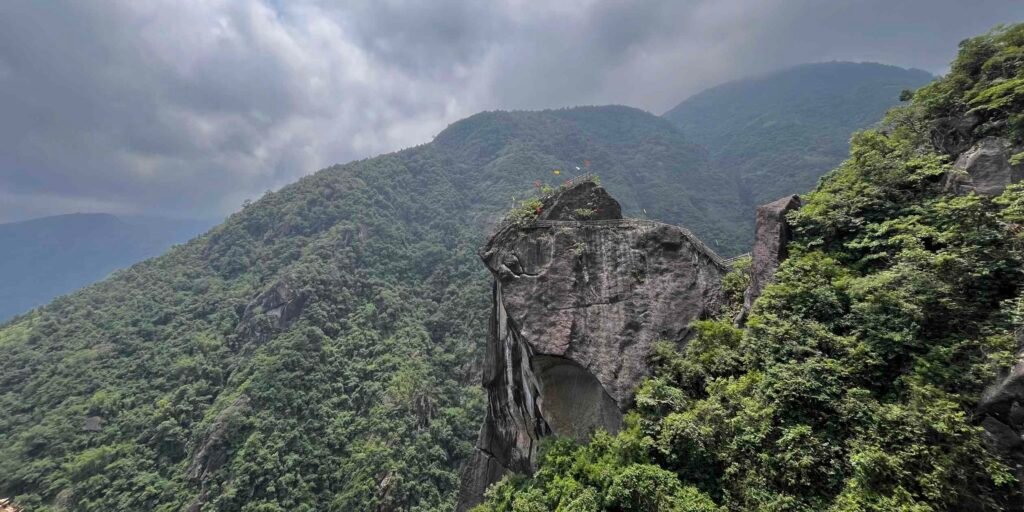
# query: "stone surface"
{"type": "Point", "coordinates": [92, 424]}
{"type": "Point", "coordinates": [213, 451]}
{"type": "Point", "coordinates": [270, 312]}
{"type": "Point", "coordinates": [1001, 414]}
{"type": "Point", "coordinates": [576, 309]}
{"type": "Point", "coordinates": [586, 196]}
{"type": "Point", "coordinates": [954, 135]}
{"type": "Point", "coordinates": [985, 168]}
{"type": "Point", "coordinates": [771, 238]}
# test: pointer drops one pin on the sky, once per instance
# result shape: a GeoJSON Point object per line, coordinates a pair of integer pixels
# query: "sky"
{"type": "Point", "coordinates": [186, 108]}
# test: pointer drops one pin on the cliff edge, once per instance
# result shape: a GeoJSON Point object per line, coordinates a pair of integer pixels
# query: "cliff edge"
{"type": "Point", "coordinates": [577, 306]}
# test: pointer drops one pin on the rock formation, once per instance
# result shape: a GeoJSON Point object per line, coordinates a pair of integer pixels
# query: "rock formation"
{"type": "Point", "coordinates": [1001, 413]}
{"type": "Point", "coordinates": [577, 307]}
{"type": "Point", "coordinates": [272, 311]}
{"type": "Point", "coordinates": [985, 168]}
{"type": "Point", "coordinates": [771, 238]}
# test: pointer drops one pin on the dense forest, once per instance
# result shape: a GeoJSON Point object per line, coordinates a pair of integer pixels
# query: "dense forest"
{"type": "Point", "coordinates": [316, 350]}
{"type": "Point", "coordinates": [854, 384]}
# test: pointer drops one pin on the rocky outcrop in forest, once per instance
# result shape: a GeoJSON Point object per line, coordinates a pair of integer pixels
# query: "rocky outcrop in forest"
{"type": "Point", "coordinates": [771, 237]}
{"type": "Point", "coordinates": [577, 306]}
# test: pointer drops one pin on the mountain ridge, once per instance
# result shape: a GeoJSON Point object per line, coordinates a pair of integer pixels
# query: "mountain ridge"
{"type": "Point", "coordinates": [318, 345]}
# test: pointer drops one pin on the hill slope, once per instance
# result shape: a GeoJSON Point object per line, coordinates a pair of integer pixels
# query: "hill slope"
{"type": "Point", "coordinates": [316, 347]}
{"type": "Point", "coordinates": [315, 350]}
{"type": "Point", "coordinates": [777, 134]}
{"type": "Point", "coordinates": [43, 258]}
{"type": "Point", "coordinates": [881, 371]}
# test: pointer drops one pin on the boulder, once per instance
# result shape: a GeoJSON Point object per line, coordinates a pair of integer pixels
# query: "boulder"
{"type": "Point", "coordinates": [772, 236]}
{"type": "Point", "coordinates": [953, 135]}
{"type": "Point", "coordinates": [985, 168]}
{"type": "Point", "coordinates": [574, 202]}
{"type": "Point", "coordinates": [576, 309]}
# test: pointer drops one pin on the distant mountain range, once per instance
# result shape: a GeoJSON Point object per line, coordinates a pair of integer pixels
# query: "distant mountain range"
{"type": "Point", "coordinates": [43, 258]}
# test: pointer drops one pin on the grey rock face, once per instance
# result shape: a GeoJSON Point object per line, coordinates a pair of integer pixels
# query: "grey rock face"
{"type": "Point", "coordinates": [985, 168]}
{"type": "Point", "coordinates": [270, 312]}
{"type": "Point", "coordinates": [771, 238]}
{"type": "Point", "coordinates": [954, 134]}
{"type": "Point", "coordinates": [212, 453]}
{"type": "Point", "coordinates": [1001, 412]}
{"type": "Point", "coordinates": [93, 424]}
{"type": "Point", "coordinates": [586, 196]}
{"type": "Point", "coordinates": [577, 307]}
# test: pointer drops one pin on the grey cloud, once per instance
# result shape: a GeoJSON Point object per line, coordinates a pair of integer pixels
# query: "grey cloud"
{"type": "Point", "coordinates": [190, 107]}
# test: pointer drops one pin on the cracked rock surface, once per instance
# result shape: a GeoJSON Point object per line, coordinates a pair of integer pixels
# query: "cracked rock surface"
{"type": "Point", "coordinates": [577, 307]}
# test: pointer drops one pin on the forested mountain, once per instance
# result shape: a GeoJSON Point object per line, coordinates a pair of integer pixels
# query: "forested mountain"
{"type": "Point", "coordinates": [43, 258]}
{"type": "Point", "coordinates": [777, 134]}
{"type": "Point", "coordinates": [315, 351]}
{"type": "Point", "coordinates": [316, 347]}
{"type": "Point", "coordinates": [881, 371]}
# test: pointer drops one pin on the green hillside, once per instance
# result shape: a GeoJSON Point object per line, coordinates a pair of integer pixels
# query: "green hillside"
{"type": "Point", "coordinates": [776, 134]}
{"type": "Point", "coordinates": [315, 350]}
{"type": "Point", "coordinates": [856, 383]}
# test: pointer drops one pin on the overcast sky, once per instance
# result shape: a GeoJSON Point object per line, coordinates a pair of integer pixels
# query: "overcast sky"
{"type": "Point", "coordinates": [188, 107]}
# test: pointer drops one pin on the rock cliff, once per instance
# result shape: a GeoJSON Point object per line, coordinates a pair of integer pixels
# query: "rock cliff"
{"type": "Point", "coordinates": [577, 306]}
{"type": "Point", "coordinates": [985, 168]}
{"type": "Point", "coordinates": [771, 238]}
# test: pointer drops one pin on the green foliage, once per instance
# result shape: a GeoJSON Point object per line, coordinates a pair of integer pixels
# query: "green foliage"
{"type": "Point", "coordinates": [854, 385]}
{"type": "Point", "coordinates": [603, 475]}
{"type": "Point", "coordinates": [527, 210]}
{"type": "Point", "coordinates": [584, 213]}
{"type": "Point", "coordinates": [984, 80]}
{"type": "Point", "coordinates": [734, 285]}
{"type": "Point", "coordinates": [579, 248]}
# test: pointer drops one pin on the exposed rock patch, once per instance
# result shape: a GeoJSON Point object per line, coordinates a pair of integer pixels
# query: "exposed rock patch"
{"type": "Point", "coordinates": [272, 311]}
{"type": "Point", "coordinates": [576, 309]}
{"type": "Point", "coordinates": [92, 424]}
{"type": "Point", "coordinates": [1001, 412]}
{"type": "Point", "coordinates": [212, 453]}
{"type": "Point", "coordinates": [985, 168]}
{"type": "Point", "coordinates": [572, 204]}
{"type": "Point", "coordinates": [954, 135]}
{"type": "Point", "coordinates": [772, 236]}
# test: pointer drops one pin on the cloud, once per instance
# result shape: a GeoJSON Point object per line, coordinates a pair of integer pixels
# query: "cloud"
{"type": "Point", "coordinates": [187, 107]}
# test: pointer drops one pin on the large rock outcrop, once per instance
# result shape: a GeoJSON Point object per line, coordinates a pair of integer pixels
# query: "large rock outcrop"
{"type": "Point", "coordinates": [985, 168]}
{"type": "Point", "coordinates": [577, 307]}
{"type": "Point", "coordinates": [771, 238]}
{"type": "Point", "coordinates": [270, 312]}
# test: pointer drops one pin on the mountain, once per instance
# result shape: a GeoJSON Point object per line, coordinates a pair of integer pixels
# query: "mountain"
{"type": "Point", "coordinates": [319, 349]}
{"type": "Point", "coordinates": [776, 134]}
{"type": "Point", "coordinates": [43, 258]}
{"type": "Point", "coordinates": [315, 348]}
{"type": "Point", "coordinates": [881, 369]}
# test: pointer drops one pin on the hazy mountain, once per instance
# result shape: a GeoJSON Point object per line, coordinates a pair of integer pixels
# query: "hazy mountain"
{"type": "Point", "coordinates": [46, 257]}
{"type": "Point", "coordinates": [776, 134]}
